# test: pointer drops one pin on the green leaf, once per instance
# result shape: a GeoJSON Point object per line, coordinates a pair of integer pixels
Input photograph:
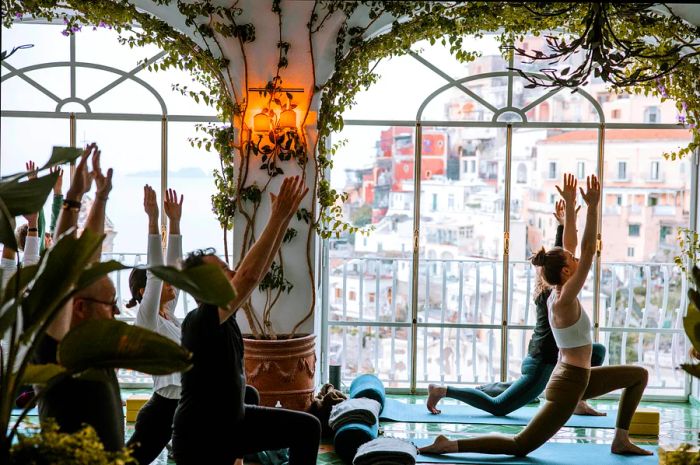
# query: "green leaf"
{"type": "Point", "coordinates": [61, 268]}
{"type": "Point", "coordinates": [59, 156]}
{"type": "Point", "coordinates": [115, 344]}
{"type": "Point", "coordinates": [694, 297]}
{"type": "Point", "coordinates": [25, 275]}
{"type": "Point", "coordinates": [97, 271]}
{"type": "Point", "coordinates": [27, 196]}
{"type": "Point", "coordinates": [206, 283]}
{"type": "Point", "coordinates": [41, 374]}
{"type": "Point", "coordinates": [8, 315]}
{"type": "Point", "coordinates": [7, 227]}
{"type": "Point", "coordinates": [691, 323]}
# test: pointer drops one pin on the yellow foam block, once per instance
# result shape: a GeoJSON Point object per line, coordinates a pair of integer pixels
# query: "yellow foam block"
{"type": "Point", "coordinates": [642, 429]}
{"type": "Point", "coordinates": [669, 455]}
{"type": "Point", "coordinates": [646, 416]}
{"type": "Point", "coordinates": [131, 415]}
{"type": "Point", "coordinates": [136, 401]}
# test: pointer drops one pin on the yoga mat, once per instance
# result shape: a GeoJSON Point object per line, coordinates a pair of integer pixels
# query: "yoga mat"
{"type": "Point", "coordinates": [551, 453]}
{"type": "Point", "coordinates": [395, 410]}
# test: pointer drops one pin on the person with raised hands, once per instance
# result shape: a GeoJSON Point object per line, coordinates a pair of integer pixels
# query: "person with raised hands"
{"type": "Point", "coordinates": [501, 399]}
{"type": "Point", "coordinates": [157, 301]}
{"type": "Point", "coordinates": [573, 378]}
{"type": "Point", "coordinates": [217, 378]}
{"type": "Point", "coordinates": [75, 402]}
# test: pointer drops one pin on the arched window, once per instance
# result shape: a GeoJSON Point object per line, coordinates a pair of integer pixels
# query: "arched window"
{"type": "Point", "coordinates": [522, 174]}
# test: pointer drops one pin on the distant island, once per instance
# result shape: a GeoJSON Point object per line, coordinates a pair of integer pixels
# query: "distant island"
{"type": "Point", "coordinates": [191, 172]}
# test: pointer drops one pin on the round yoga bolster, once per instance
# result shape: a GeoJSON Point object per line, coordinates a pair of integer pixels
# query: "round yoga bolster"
{"type": "Point", "coordinates": [370, 387]}
{"type": "Point", "coordinates": [350, 437]}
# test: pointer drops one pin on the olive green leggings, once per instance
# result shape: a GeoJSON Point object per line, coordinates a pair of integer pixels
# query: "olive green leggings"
{"type": "Point", "coordinates": [568, 385]}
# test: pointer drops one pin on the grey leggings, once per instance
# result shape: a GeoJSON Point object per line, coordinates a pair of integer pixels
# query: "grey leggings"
{"type": "Point", "coordinates": [568, 385]}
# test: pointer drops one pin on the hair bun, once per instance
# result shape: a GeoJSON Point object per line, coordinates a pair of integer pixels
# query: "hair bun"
{"type": "Point", "coordinates": [131, 303]}
{"type": "Point", "coordinates": [539, 258]}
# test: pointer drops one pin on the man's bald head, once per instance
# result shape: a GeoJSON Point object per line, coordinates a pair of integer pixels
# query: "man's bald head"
{"type": "Point", "coordinates": [95, 302]}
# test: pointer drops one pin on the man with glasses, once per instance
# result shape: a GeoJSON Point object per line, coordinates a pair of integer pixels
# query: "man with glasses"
{"type": "Point", "coordinates": [73, 403]}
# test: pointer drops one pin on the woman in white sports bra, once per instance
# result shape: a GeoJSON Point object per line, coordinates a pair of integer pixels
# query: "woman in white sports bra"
{"type": "Point", "coordinates": [573, 378]}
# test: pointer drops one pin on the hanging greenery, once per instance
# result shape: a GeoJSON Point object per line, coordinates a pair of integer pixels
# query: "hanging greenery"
{"type": "Point", "coordinates": [615, 40]}
{"type": "Point", "coordinates": [620, 43]}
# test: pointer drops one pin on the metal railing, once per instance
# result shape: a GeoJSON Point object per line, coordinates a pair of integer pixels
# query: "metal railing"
{"type": "Point", "coordinates": [459, 326]}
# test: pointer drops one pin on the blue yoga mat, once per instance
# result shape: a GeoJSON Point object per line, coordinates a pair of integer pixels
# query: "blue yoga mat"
{"type": "Point", "coordinates": [395, 410]}
{"type": "Point", "coordinates": [551, 453]}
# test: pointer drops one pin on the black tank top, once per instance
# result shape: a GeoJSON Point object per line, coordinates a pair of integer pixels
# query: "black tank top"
{"type": "Point", "coordinates": [542, 344]}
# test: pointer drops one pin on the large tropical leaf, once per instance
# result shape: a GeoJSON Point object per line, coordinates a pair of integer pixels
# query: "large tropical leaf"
{"type": "Point", "coordinates": [206, 283]}
{"type": "Point", "coordinates": [97, 271]}
{"type": "Point", "coordinates": [7, 227]}
{"type": "Point", "coordinates": [41, 374]}
{"type": "Point", "coordinates": [8, 315]}
{"type": "Point", "coordinates": [691, 323]}
{"type": "Point", "coordinates": [694, 297]}
{"type": "Point", "coordinates": [27, 196]}
{"type": "Point", "coordinates": [60, 270]}
{"type": "Point", "coordinates": [24, 276]}
{"type": "Point", "coordinates": [59, 156]}
{"type": "Point", "coordinates": [115, 344]}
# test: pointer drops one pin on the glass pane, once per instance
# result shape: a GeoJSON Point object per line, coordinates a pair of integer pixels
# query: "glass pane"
{"type": "Point", "coordinates": [26, 139]}
{"type": "Point", "coordinates": [49, 44]}
{"type": "Point", "coordinates": [467, 356]}
{"type": "Point", "coordinates": [132, 149]}
{"type": "Point", "coordinates": [17, 94]}
{"type": "Point", "coordinates": [383, 351]}
{"type": "Point", "coordinates": [370, 275]}
{"type": "Point", "coordinates": [646, 198]}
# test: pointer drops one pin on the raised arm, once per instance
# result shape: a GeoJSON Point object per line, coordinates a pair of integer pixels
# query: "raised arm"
{"type": "Point", "coordinates": [573, 286]}
{"type": "Point", "coordinates": [68, 219]}
{"type": "Point", "coordinates": [252, 268]}
{"type": "Point", "coordinates": [103, 185]}
{"type": "Point", "coordinates": [57, 198]}
{"type": "Point", "coordinates": [173, 210]}
{"type": "Point", "coordinates": [569, 196]}
{"type": "Point", "coordinates": [147, 315]}
{"type": "Point", "coordinates": [560, 216]}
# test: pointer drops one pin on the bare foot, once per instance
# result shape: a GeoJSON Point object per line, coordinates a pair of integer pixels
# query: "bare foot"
{"type": "Point", "coordinates": [442, 445]}
{"type": "Point", "coordinates": [623, 446]}
{"type": "Point", "coordinates": [435, 393]}
{"type": "Point", "coordinates": [584, 409]}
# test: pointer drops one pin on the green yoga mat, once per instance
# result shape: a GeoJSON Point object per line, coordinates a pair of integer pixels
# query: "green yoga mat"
{"type": "Point", "coordinates": [551, 453]}
{"type": "Point", "coordinates": [395, 410]}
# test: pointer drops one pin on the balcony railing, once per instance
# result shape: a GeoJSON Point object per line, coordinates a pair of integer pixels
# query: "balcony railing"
{"type": "Point", "coordinates": [459, 329]}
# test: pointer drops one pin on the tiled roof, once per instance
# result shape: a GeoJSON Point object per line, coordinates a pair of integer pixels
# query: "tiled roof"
{"type": "Point", "coordinates": [591, 135]}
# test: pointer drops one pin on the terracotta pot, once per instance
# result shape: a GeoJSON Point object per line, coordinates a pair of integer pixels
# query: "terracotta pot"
{"type": "Point", "coordinates": [282, 370]}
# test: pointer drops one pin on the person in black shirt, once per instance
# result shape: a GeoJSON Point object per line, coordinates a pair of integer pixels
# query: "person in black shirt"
{"type": "Point", "coordinates": [74, 403]}
{"type": "Point", "coordinates": [536, 367]}
{"type": "Point", "coordinates": [213, 424]}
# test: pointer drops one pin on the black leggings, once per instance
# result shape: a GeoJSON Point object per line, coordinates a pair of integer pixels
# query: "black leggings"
{"type": "Point", "coordinates": [262, 428]}
{"type": "Point", "coordinates": [153, 428]}
{"type": "Point", "coordinates": [154, 425]}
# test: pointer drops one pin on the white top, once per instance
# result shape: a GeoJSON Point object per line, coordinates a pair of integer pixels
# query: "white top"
{"type": "Point", "coordinates": [8, 268]}
{"type": "Point", "coordinates": [576, 335]}
{"type": "Point", "coordinates": [148, 315]}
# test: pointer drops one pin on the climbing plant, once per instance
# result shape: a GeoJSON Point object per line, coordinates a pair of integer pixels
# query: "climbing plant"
{"type": "Point", "coordinates": [356, 57]}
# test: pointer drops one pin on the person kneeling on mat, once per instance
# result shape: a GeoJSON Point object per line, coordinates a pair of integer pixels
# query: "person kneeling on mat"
{"type": "Point", "coordinates": [573, 378]}
{"type": "Point", "coordinates": [213, 424]}
{"type": "Point", "coordinates": [540, 361]}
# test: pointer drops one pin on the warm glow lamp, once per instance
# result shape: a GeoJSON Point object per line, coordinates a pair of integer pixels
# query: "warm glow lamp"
{"type": "Point", "coordinates": [261, 122]}
{"type": "Point", "coordinates": [288, 119]}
